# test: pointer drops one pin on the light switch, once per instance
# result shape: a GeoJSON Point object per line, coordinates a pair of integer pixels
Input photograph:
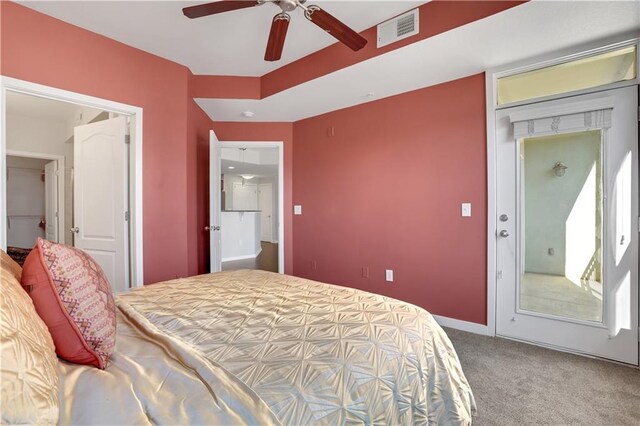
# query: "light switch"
{"type": "Point", "coordinates": [389, 275]}
{"type": "Point", "coordinates": [297, 209]}
{"type": "Point", "coordinates": [466, 209]}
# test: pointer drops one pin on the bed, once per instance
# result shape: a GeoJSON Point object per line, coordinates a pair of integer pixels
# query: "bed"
{"type": "Point", "coordinates": [254, 347]}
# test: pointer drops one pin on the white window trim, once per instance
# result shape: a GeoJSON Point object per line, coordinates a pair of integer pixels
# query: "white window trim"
{"type": "Point", "coordinates": [135, 163]}
{"type": "Point", "coordinates": [491, 77]}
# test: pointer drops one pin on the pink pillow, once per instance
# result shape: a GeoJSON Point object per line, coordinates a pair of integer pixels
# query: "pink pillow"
{"type": "Point", "coordinates": [73, 297]}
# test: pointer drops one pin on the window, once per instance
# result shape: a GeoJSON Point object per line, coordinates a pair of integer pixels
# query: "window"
{"type": "Point", "coordinates": [585, 73]}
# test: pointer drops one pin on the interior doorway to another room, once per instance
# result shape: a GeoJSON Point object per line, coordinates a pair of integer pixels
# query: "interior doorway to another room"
{"type": "Point", "coordinates": [250, 208]}
{"type": "Point", "coordinates": [67, 180]}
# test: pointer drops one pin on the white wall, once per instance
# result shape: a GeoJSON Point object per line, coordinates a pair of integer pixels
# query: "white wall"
{"type": "Point", "coordinates": [275, 202]}
{"type": "Point", "coordinates": [25, 201]}
{"type": "Point", "coordinates": [240, 235]}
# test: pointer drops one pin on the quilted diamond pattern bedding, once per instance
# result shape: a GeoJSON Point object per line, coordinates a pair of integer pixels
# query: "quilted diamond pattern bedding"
{"type": "Point", "coordinates": [314, 353]}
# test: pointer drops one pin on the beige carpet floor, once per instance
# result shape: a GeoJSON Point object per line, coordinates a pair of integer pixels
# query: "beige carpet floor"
{"type": "Point", "coordinates": [519, 384]}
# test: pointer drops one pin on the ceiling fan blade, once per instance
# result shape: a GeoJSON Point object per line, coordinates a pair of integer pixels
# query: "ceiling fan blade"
{"type": "Point", "coordinates": [217, 7]}
{"type": "Point", "coordinates": [333, 26]}
{"type": "Point", "coordinates": [277, 36]}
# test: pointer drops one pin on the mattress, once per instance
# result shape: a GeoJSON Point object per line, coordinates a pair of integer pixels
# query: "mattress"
{"type": "Point", "coordinates": [254, 347]}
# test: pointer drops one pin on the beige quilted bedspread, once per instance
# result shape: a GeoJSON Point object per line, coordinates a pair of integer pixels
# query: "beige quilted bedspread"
{"type": "Point", "coordinates": [314, 353]}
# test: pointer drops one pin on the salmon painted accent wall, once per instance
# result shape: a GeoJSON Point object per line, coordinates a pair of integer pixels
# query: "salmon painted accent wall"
{"type": "Point", "coordinates": [226, 87]}
{"type": "Point", "coordinates": [44, 50]}
{"type": "Point", "coordinates": [436, 17]}
{"type": "Point", "coordinates": [198, 125]}
{"type": "Point", "coordinates": [384, 192]}
{"type": "Point", "coordinates": [262, 132]}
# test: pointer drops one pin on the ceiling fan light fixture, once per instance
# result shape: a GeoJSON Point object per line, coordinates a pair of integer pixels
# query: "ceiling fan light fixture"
{"type": "Point", "coordinates": [280, 23]}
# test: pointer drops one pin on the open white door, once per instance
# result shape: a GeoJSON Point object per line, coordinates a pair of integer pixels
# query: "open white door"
{"type": "Point", "coordinates": [215, 195]}
{"type": "Point", "coordinates": [100, 194]}
{"type": "Point", "coordinates": [567, 240]}
{"type": "Point", "coordinates": [51, 200]}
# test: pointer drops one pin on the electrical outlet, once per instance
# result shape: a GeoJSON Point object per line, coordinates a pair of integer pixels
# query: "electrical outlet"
{"type": "Point", "coordinates": [297, 210]}
{"type": "Point", "coordinates": [389, 275]}
{"type": "Point", "coordinates": [365, 272]}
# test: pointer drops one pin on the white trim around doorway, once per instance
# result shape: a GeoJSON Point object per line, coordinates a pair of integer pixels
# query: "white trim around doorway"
{"type": "Point", "coordinates": [135, 163]}
{"type": "Point", "coordinates": [280, 146]}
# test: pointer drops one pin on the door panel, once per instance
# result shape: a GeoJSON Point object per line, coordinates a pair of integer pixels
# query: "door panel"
{"type": "Point", "coordinates": [100, 197]}
{"type": "Point", "coordinates": [567, 238]}
{"type": "Point", "coordinates": [215, 203]}
{"type": "Point", "coordinates": [51, 200]}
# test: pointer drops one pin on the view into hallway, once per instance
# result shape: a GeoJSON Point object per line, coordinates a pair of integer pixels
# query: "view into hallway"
{"type": "Point", "coordinates": [267, 260]}
{"type": "Point", "coordinates": [250, 203]}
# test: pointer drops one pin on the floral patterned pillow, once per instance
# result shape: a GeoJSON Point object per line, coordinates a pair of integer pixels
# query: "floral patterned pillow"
{"type": "Point", "coordinates": [73, 297]}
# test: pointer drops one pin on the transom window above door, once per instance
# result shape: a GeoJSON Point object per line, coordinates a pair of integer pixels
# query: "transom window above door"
{"type": "Point", "coordinates": [585, 73]}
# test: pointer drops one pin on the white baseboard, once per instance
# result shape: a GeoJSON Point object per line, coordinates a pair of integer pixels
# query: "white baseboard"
{"type": "Point", "coordinates": [470, 327]}
{"type": "Point", "coordinates": [250, 256]}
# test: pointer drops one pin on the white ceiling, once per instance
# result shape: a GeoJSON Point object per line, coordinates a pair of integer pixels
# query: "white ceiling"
{"type": "Point", "coordinates": [259, 170]}
{"type": "Point", "coordinates": [526, 31]}
{"type": "Point", "coordinates": [232, 43]}
{"type": "Point", "coordinates": [43, 108]}
{"type": "Point", "coordinates": [261, 162]}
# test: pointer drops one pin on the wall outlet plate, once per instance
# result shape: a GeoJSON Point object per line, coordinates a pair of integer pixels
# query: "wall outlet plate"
{"type": "Point", "coordinates": [389, 275]}
{"type": "Point", "coordinates": [297, 209]}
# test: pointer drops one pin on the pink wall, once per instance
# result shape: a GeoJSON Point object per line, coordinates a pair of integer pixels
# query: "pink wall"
{"type": "Point", "coordinates": [385, 192]}
{"type": "Point", "coordinates": [198, 124]}
{"type": "Point", "coordinates": [41, 49]}
{"type": "Point", "coordinates": [235, 131]}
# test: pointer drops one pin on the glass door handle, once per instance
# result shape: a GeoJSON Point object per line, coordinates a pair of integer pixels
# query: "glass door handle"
{"type": "Point", "coordinates": [504, 233]}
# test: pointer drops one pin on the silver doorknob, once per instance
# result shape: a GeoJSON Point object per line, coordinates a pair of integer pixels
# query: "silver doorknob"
{"type": "Point", "coordinates": [504, 233]}
{"type": "Point", "coordinates": [75, 230]}
{"type": "Point", "coordinates": [216, 228]}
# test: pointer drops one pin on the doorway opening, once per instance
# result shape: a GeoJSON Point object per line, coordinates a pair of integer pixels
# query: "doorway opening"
{"type": "Point", "coordinates": [70, 177]}
{"type": "Point", "coordinates": [247, 177]}
{"type": "Point", "coordinates": [250, 208]}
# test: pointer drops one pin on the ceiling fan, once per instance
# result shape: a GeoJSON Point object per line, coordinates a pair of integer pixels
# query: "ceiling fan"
{"type": "Point", "coordinates": [280, 22]}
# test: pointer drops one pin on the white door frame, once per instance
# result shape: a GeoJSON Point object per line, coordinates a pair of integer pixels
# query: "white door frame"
{"type": "Point", "coordinates": [135, 163]}
{"type": "Point", "coordinates": [491, 77]}
{"type": "Point", "coordinates": [61, 181]}
{"type": "Point", "coordinates": [280, 146]}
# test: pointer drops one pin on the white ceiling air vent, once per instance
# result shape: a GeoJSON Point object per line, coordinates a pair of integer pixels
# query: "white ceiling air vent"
{"type": "Point", "coordinates": [398, 28]}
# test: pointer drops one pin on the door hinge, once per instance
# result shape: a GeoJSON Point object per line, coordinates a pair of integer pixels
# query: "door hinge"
{"type": "Point", "coordinates": [499, 274]}
{"type": "Point", "coordinates": [126, 216]}
{"type": "Point", "coordinates": [127, 139]}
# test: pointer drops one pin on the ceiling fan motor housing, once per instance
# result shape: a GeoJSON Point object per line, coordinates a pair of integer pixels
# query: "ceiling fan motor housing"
{"type": "Point", "coordinates": [287, 5]}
